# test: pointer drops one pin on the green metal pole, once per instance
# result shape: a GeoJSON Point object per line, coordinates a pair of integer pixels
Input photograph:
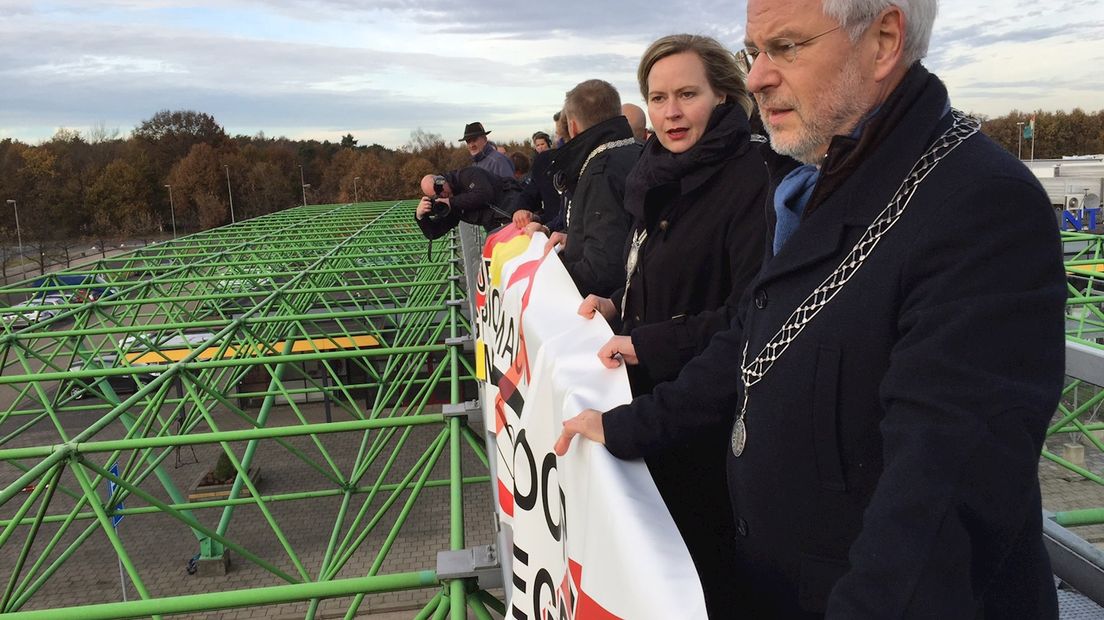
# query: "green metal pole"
{"type": "Point", "coordinates": [457, 589]}
{"type": "Point", "coordinates": [163, 477]}
{"type": "Point", "coordinates": [426, 611]}
{"type": "Point", "coordinates": [442, 609]}
{"type": "Point", "coordinates": [54, 454]}
{"type": "Point", "coordinates": [1073, 518]}
{"type": "Point", "coordinates": [48, 483]}
{"type": "Point", "coordinates": [242, 501]}
{"type": "Point", "coordinates": [492, 602]}
{"type": "Point", "coordinates": [22, 560]}
{"type": "Point", "coordinates": [193, 523]}
{"type": "Point", "coordinates": [476, 606]}
{"type": "Point", "coordinates": [112, 535]}
{"type": "Point", "coordinates": [236, 598]}
{"type": "Point", "coordinates": [1074, 468]}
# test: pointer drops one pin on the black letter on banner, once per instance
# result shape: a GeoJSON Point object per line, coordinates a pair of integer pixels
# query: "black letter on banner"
{"type": "Point", "coordinates": [542, 581]}
{"type": "Point", "coordinates": [525, 502]}
{"type": "Point", "coordinates": [546, 468]}
{"type": "Point", "coordinates": [522, 559]}
{"type": "Point", "coordinates": [495, 304]}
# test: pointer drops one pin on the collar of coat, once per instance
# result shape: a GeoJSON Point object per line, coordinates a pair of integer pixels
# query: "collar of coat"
{"type": "Point", "coordinates": [846, 153]}
{"type": "Point", "coordinates": [570, 157]}
{"type": "Point", "coordinates": [862, 185]}
{"type": "Point", "coordinates": [488, 148]}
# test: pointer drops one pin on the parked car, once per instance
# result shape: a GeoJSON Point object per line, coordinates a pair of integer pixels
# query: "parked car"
{"type": "Point", "coordinates": [92, 286]}
{"type": "Point", "coordinates": [35, 310]}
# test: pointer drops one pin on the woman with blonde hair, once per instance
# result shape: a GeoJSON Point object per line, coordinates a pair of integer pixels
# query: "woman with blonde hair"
{"type": "Point", "coordinates": [697, 195]}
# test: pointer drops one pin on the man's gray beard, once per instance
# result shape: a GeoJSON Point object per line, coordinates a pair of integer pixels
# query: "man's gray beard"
{"type": "Point", "coordinates": [832, 120]}
{"type": "Point", "coordinates": [802, 152]}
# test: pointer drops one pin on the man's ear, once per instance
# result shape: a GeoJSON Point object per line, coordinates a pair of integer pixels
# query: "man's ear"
{"type": "Point", "coordinates": [573, 127]}
{"type": "Point", "coordinates": [889, 30]}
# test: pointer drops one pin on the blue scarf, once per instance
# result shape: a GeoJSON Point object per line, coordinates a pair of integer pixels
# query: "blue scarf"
{"type": "Point", "coordinates": [790, 198]}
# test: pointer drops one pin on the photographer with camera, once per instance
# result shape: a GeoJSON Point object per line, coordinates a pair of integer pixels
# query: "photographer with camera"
{"type": "Point", "coordinates": [470, 195]}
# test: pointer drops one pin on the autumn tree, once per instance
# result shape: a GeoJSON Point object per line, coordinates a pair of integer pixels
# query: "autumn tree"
{"type": "Point", "coordinates": [378, 180]}
{"type": "Point", "coordinates": [411, 174]}
{"type": "Point", "coordinates": [119, 201]}
{"type": "Point", "coordinates": [176, 132]}
{"type": "Point", "coordinates": [198, 177]}
{"type": "Point", "coordinates": [210, 211]}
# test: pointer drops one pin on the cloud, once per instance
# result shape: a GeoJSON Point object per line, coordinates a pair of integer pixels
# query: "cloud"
{"type": "Point", "coordinates": [597, 64]}
{"type": "Point", "coordinates": [987, 33]}
{"type": "Point", "coordinates": [617, 19]}
{"type": "Point", "coordinates": [393, 65]}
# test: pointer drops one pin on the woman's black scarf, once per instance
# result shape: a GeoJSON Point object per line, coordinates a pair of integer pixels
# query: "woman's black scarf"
{"type": "Point", "coordinates": [725, 136]}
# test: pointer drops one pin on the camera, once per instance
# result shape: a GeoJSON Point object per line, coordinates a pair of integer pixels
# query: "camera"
{"type": "Point", "coordinates": [438, 209]}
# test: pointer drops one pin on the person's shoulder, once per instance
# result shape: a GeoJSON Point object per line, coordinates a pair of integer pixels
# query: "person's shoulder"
{"type": "Point", "coordinates": [981, 156]}
{"type": "Point", "coordinates": [747, 161]}
{"type": "Point", "coordinates": [623, 158]}
{"type": "Point", "coordinates": [980, 166]}
{"type": "Point", "coordinates": [477, 172]}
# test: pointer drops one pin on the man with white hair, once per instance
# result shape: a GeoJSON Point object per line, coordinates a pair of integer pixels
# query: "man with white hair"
{"type": "Point", "coordinates": [892, 370]}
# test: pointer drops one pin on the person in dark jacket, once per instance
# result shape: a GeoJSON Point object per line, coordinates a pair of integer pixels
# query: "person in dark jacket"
{"type": "Point", "coordinates": [893, 367]}
{"type": "Point", "coordinates": [696, 196]}
{"type": "Point", "coordinates": [540, 205]}
{"type": "Point", "coordinates": [592, 168]}
{"type": "Point", "coordinates": [484, 154]}
{"type": "Point", "coordinates": [472, 194]}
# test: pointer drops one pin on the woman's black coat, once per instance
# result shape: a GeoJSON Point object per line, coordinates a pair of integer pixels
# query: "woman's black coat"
{"type": "Point", "coordinates": [705, 242]}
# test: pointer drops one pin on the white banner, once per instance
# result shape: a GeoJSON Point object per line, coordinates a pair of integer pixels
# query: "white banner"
{"type": "Point", "coordinates": [591, 535]}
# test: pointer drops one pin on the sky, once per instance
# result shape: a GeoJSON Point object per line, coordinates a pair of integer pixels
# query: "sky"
{"type": "Point", "coordinates": [380, 69]}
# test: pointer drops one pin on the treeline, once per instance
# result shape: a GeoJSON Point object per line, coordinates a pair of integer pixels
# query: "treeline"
{"type": "Point", "coordinates": [1057, 134]}
{"type": "Point", "coordinates": [98, 185]}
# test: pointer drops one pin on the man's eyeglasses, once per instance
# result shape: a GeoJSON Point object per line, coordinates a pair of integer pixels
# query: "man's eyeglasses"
{"type": "Point", "coordinates": [779, 49]}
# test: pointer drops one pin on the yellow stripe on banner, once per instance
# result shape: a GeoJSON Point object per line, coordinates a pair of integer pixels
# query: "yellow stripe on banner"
{"type": "Point", "coordinates": [169, 356]}
{"type": "Point", "coordinates": [480, 361]}
{"type": "Point", "coordinates": [503, 253]}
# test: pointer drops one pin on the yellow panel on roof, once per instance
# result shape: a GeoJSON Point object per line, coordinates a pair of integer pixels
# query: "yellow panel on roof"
{"type": "Point", "coordinates": [168, 356]}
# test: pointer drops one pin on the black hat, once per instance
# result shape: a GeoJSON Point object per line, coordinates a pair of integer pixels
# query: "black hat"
{"type": "Point", "coordinates": [473, 130]}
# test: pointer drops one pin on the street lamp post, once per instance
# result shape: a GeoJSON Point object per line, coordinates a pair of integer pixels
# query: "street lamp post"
{"type": "Point", "coordinates": [1019, 139]}
{"type": "Point", "coordinates": [231, 193]}
{"type": "Point", "coordinates": [19, 236]}
{"type": "Point", "coordinates": [356, 196]}
{"type": "Point", "coordinates": [304, 184]}
{"type": "Point", "coordinates": [172, 211]}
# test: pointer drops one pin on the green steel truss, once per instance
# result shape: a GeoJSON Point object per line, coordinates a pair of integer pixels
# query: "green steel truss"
{"type": "Point", "coordinates": [319, 342]}
{"type": "Point", "coordinates": [277, 336]}
{"type": "Point", "coordinates": [1078, 423]}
